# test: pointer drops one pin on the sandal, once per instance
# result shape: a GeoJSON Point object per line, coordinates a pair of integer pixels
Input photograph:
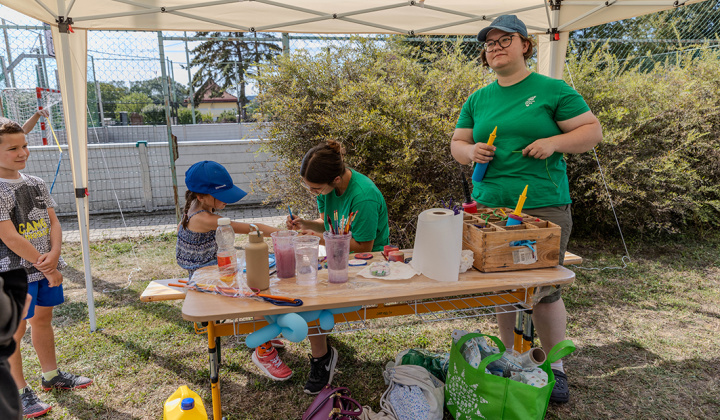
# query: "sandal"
{"type": "Point", "coordinates": [560, 393]}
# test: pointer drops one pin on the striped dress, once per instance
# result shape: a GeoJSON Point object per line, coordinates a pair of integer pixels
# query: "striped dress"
{"type": "Point", "coordinates": [195, 250]}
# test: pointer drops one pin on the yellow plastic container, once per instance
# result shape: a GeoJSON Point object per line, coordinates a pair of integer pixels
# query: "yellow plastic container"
{"type": "Point", "coordinates": [184, 404]}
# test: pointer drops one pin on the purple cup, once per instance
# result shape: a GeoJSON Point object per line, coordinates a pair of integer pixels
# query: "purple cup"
{"type": "Point", "coordinates": [284, 253]}
{"type": "Point", "coordinates": [337, 248]}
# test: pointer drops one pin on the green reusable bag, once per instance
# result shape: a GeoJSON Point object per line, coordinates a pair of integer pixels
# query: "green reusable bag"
{"type": "Point", "coordinates": [471, 394]}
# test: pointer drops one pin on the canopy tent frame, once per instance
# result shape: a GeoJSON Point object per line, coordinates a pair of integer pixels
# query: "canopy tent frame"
{"type": "Point", "coordinates": [551, 20]}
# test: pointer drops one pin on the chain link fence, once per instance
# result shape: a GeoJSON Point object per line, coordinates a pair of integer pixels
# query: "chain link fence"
{"type": "Point", "coordinates": [211, 98]}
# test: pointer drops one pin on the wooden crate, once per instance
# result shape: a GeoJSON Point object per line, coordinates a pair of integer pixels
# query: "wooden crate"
{"type": "Point", "coordinates": [490, 242]}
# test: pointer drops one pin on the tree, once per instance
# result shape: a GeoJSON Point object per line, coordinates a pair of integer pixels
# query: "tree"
{"type": "Point", "coordinates": [153, 88]}
{"type": "Point", "coordinates": [110, 93]}
{"type": "Point", "coordinates": [154, 114]}
{"type": "Point", "coordinates": [426, 47]}
{"type": "Point", "coordinates": [226, 58]}
{"type": "Point", "coordinates": [133, 102]}
{"type": "Point", "coordinates": [646, 39]}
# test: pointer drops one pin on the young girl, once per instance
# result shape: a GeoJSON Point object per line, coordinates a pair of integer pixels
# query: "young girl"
{"type": "Point", "coordinates": [210, 188]}
{"type": "Point", "coordinates": [339, 190]}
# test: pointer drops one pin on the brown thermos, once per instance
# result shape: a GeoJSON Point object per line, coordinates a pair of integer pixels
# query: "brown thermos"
{"type": "Point", "coordinates": [257, 262]}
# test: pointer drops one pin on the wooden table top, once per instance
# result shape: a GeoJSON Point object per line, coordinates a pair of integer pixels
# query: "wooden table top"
{"type": "Point", "coordinates": [200, 307]}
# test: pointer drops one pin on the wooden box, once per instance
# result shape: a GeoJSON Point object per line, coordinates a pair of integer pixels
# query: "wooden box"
{"type": "Point", "coordinates": [495, 245]}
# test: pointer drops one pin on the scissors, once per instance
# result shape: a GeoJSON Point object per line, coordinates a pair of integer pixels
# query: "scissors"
{"type": "Point", "coordinates": [277, 300]}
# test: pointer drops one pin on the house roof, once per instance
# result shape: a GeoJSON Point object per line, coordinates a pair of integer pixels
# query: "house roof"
{"type": "Point", "coordinates": [212, 93]}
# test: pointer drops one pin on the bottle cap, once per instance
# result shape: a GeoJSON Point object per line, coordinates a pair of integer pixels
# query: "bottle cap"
{"type": "Point", "coordinates": [188, 403]}
{"type": "Point", "coordinates": [254, 238]}
{"type": "Point", "coordinates": [223, 221]}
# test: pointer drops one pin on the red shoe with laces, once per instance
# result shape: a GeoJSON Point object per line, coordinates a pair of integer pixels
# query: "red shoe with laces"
{"type": "Point", "coordinates": [270, 364]}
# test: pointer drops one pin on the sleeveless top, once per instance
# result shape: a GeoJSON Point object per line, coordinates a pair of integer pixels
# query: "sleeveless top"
{"type": "Point", "coordinates": [194, 249]}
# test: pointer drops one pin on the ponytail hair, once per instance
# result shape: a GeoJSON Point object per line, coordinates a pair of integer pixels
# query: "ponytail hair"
{"type": "Point", "coordinates": [189, 198]}
{"type": "Point", "coordinates": [323, 163]}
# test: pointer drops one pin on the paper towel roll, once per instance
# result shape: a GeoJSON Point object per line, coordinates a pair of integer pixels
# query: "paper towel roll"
{"type": "Point", "coordinates": [438, 244]}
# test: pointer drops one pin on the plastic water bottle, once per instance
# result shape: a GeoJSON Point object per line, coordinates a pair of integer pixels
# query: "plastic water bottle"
{"type": "Point", "coordinates": [226, 254]}
{"type": "Point", "coordinates": [184, 404]}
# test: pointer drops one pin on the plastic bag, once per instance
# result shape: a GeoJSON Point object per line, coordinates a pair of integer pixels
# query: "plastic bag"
{"type": "Point", "coordinates": [435, 363]}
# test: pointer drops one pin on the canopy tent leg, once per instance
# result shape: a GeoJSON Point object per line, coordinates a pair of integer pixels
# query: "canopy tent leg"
{"type": "Point", "coordinates": [71, 55]}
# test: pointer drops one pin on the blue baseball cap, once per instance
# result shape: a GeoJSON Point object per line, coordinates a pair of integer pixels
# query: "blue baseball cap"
{"type": "Point", "coordinates": [505, 23]}
{"type": "Point", "coordinates": [208, 177]}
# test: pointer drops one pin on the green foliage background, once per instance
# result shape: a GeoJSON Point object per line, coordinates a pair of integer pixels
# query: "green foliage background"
{"type": "Point", "coordinates": [394, 108]}
{"type": "Point", "coordinates": [661, 147]}
{"type": "Point", "coordinates": [154, 114]}
{"type": "Point", "coordinates": [133, 102]}
{"type": "Point", "coordinates": [185, 116]}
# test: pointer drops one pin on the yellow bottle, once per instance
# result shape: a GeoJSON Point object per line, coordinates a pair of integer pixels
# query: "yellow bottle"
{"type": "Point", "coordinates": [184, 404]}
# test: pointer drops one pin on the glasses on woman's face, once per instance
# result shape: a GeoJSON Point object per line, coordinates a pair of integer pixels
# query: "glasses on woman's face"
{"type": "Point", "coordinates": [317, 190]}
{"type": "Point", "coordinates": [502, 42]}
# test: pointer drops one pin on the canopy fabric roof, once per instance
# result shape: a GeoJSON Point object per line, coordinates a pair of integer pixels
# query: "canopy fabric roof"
{"type": "Point", "coordinates": [422, 17]}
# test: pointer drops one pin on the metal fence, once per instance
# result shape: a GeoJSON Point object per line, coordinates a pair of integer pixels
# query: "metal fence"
{"type": "Point", "coordinates": [126, 87]}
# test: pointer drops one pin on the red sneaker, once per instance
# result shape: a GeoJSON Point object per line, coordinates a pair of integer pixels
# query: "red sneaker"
{"type": "Point", "coordinates": [277, 343]}
{"type": "Point", "coordinates": [271, 365]}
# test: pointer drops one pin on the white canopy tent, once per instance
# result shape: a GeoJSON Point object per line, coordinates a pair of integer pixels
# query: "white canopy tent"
{"type": "Point", "coordinates": [552, 20]}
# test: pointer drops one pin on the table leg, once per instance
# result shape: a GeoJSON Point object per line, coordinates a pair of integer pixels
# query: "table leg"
{"type": "Point", "coordinates": [528, 331]}
{"type": "Point", "coordinates": [518, 330]}
{"type": "Point", "coordinates": [213, 352]}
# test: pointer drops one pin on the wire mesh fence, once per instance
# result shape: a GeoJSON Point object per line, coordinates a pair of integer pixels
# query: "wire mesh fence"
{"type": "Point", "coordinates": [210, 93]}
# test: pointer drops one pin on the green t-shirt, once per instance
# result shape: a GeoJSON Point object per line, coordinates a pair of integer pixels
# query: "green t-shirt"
{"type": "Point", "coordinates": [361, 195]}
{"type": "Point", "coordinates": [523, 113]}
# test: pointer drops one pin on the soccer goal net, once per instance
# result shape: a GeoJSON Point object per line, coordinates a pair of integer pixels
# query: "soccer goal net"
{"type": "Point", "coordinates": [20, 104]}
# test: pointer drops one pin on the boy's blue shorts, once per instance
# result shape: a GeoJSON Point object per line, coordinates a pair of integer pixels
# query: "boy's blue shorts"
{"type": "Point", "coordinates": [44, 295]}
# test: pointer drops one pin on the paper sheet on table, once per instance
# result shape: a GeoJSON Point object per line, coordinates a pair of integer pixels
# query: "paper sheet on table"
{"type": "Point", "coordinates": [398, 271]}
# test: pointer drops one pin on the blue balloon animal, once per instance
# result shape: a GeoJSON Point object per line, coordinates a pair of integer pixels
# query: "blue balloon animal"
{"type": "Point", "coordinates": [293, 326]}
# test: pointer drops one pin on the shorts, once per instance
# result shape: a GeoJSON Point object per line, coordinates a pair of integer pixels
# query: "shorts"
{"type": "Point", "coordinates": [561, 216]}
{"type": "Point", "coordinates": [44, 295]}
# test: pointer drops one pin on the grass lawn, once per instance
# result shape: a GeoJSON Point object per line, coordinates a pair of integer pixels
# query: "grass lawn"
{"type": "Point", "coordinates": [647, 337]}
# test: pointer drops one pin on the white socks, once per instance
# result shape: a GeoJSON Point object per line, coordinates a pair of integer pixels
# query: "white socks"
{"type": "Point", "coordinates": [49, 375]}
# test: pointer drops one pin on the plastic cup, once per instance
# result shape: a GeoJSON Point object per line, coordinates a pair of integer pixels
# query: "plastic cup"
{"type": "Point", "coordinates": [338, 254]}
{"type": "Point", "coordinates": [306, 259]}
{"type": "Point", "coordinates": [284, 253]}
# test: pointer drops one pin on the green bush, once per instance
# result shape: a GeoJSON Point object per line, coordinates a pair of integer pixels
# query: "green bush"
{"type": "Point", "coordinates": [154, 114]}
{"type": "Point", "coordinates": [394, 115]}
{"type": "Point", "coordinates": [133, 102]}
{"type": "Point", "coordinates": [395, 109]}
{"type": "Point", "coordinates": [661, 147]}
{"type": "Point", "coordinates": [227, 116]}
{"type": "Point", "coordinates": [207, 118]}
{"type": "Point", "coordinates": [185, 116]}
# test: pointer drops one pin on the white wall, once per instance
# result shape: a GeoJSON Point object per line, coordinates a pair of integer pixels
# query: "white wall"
{"type": "Point", "coordinates": [133, 133]}
{"type": "Point", "coordinates": [138, 178]}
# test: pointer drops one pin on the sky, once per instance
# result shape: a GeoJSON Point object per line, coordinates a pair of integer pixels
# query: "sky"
{"type": "Point", "coordinates": [116, 56]}
{"type": "Point", "coordinates": [174, 50]}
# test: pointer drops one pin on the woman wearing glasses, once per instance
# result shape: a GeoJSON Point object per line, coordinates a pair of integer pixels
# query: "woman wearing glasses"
{"type": "Point", "coordinates": [342, 191]}
{"type": "Point", "coordinates": [538, 119]}
{"type": "Point", "coordinates": [345, 191]}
